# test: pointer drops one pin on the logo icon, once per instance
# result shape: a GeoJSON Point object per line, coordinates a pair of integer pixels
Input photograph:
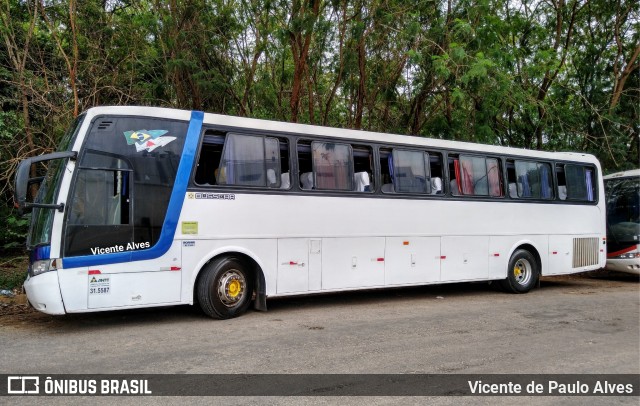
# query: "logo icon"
{"type": "Point", "coordinates": [147, 140]}
{"type": "Point", "coordinates": [23, 385]}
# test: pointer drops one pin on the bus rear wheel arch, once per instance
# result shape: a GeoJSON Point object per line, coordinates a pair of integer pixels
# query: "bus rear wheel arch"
{"type": "Point", "coordinates": [225, 287]}
{"type": "Point", "coordinates": [523, 272]}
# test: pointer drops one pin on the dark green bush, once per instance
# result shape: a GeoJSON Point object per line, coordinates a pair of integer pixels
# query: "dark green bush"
{"type": "Point", "coordinates": [13, 231]}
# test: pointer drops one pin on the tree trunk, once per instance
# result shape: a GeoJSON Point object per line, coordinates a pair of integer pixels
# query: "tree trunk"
{"type": "Point", "coordinates": [300, 43]}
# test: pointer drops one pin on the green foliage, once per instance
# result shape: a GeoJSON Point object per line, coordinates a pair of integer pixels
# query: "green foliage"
{"type": "Point", "coordinates": [10, 125]}
{"type": "Point", "coordinates": [13, 230]}
{"type": "Point", "coordinates": [13, 272]}
{"type": "Point", "coordinates": [530, 74]}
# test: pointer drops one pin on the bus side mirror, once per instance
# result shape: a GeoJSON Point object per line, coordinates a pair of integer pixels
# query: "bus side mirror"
{"type": "Point", "coordinates": [23, 180]}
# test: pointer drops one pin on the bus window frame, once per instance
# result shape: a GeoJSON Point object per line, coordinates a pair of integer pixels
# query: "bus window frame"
{"type": "Point", "coordinates": [596, 189]}
{"type": "Point", "coordinates": [488, 196]}
{"type": "Point", "coordinates": [294, 139]}
{"type": "Point", "coordinates": [554, 187]}
{"type": "Point", "coordinates": [220, 131]}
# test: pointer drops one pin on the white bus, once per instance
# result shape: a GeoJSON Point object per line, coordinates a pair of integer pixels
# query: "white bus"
{"type": "Point", "coordinates": [622, 192]}
{"type": "Point", "coordinates": [152, 207]}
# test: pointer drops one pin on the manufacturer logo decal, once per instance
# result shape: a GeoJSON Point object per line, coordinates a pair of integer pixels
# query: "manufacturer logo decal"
{"type": "Point", "coordinates": [147, 140]}
{"type": "Point", "coordinates": [211, 196]}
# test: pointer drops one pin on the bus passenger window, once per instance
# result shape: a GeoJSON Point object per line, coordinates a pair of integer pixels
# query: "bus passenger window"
{"type": "Point", "coordinates": [332, 166]}
{"type": "Point", "coordinates": [579, 182]}
{"type": "Point", "coordinates": [386, 170]}
{"type": "Point", "coordinates": [305, 174]}
{"type": "Point", "coordinates": [285, 176]}
{"type": "Point", "coordinates": [437, 174]}
{"type": "Point", "coordinates": [244, 160]}
{"type": "Point", "coordinates": [477, 176]}
{"type": "Point", "coordinates": [410, 171]}
{"type": "Point", "coordinates": [209, 159]}
{"type": "Point", "coordinates": [511, 179]}
{"type": "Point", "coordinates": [562, 182]}
{"type": "Point", "coordinates": [363, 169]}
{"type": "Point", "coordinates": [533, 180]}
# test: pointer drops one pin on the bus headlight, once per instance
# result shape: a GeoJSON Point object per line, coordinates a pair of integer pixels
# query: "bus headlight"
{"type": "Point", "coordinates": [43, 266]}
{"type": "Point", "coordinates": [630, 255]}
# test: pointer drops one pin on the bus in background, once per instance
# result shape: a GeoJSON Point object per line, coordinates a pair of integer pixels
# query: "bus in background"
{"type": "Point", "coordinates": [146, 207]}
{"type": "Point", "coordinates": [622, 191]}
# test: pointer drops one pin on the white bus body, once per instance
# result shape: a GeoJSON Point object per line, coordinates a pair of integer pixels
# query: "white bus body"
{"type": "Point", "coordinates": [623, 221]}
{"type": "Point", "coordinates": [386, 210]}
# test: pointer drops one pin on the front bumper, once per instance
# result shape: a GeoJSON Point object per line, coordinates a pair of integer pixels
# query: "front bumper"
{"type": "Point", "coordinates": [631, 266]}
{"type": "Point", "coordinates": [43, 292]}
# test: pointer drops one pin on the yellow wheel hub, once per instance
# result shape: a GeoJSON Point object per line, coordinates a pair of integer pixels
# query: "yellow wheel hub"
{"type": "Point", "coordinates": [517, 271]}
{"type": "Point", "coordinates": [234, 288]}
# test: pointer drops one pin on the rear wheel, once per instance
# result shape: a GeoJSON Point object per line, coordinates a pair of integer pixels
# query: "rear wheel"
{"type": "Point", "coordinates": [225, 288]}
{"type": "Point", "coordinates": [522, 274]}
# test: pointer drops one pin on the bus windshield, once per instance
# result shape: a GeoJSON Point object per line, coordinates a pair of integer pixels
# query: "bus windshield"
{"type": "Point", "coordinates": [42, 218]}
{"type": "Point", "coordinates": [623, 204]}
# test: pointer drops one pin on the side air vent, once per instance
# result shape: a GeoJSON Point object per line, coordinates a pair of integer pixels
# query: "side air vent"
{"type": "Point", "coordinates": [104, 125]}
{"type": "Point", "coordinates": [585, 252]}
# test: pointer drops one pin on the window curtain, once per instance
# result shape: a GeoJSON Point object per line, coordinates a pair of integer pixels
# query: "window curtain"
{"type": "Point", "coordinates": [545, 188]}
{"type": "Point", "coordinates": [456, 169]}
{"type": "Point", "coordinates": [332, 164]}
{"type": "Point", "coordinates": [410, 171]}
{"type": "Point", "coordinates": [524, 184]}
{"type": "Point", "coordinates": [589, 183]}
{"type": "Point", "coordinates": [493, 176]}
{"type": "Point", "coordinates": [243, 161]}
{"type": "Point", "coordinates": [467, 177]}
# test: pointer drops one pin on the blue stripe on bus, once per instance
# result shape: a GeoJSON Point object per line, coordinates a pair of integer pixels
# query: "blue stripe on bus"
{"type": "Point", "coordinates": [40, 252]}
{"type": "Point", "coordinates": [173, 210]}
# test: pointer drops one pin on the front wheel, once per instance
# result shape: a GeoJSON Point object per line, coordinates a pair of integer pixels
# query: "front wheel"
{"type": "Point", "coordinates": [522, 274]}
{"type": "Point", "coordinates": [225, 288]}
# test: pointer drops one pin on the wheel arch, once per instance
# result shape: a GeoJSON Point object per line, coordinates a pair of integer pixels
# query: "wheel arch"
{"type": "Point", "coordinates": [250, 259]}
{"type": "Point", "coordinates": [534, 251]}
{"type": "Point", "coordinates": [517, 279]}
{"type": "Point", "coordinates": [530, 246]}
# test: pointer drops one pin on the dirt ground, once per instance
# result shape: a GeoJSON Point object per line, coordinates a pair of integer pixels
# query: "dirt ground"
{"type": "Point", "coordinates": [578, 324]}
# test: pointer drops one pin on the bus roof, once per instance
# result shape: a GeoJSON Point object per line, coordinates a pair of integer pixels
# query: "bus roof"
{"type": "Point", "coordinates": [634, 173]}
{"type": "Point", "coordinates": [314, 130]}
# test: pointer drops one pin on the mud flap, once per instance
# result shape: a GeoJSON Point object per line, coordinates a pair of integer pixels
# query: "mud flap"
{"type": "Point", "coordinates": [260, 301]}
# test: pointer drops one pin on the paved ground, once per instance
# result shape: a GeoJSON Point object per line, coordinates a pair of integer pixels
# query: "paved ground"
{"type": "Point", "coordinates": [580, 324]}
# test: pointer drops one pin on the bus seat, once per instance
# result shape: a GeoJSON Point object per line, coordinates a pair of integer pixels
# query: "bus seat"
{"type": "Point", "coordinates": [361, 181]}
{"type": "Point", "coordinates": [306, 180]}
{"type": "Point", "coordinates": [419, 184]}
{"type": "Point", "coordinates": [387, 188]}
{"type": "Point", "coordinates": [513, 190]}
{"type": "Point", "coordinates": [271, 177]}
{"type": "Point", "coordinates": [436, 186]}
{"type": "Point", "coordinates": [114, 208]}
{"type": "Point", "coordinates": [285, 181]}
{"type": "Point", "coordinates": [562, 192]}
{"type": "Point", "coordinates": [454, 187]}
{"type": "Point", "coordinates": [221, 175]}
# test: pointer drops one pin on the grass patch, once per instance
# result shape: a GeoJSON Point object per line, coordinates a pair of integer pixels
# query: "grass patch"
{"type": "Point", "coordinates": [13, 271]}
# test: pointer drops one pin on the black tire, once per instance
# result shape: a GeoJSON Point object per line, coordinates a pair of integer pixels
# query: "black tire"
{"type": "Point", "coordinates": [225, 288]}
{"type": "Point", "coordinates": [522, 274]}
